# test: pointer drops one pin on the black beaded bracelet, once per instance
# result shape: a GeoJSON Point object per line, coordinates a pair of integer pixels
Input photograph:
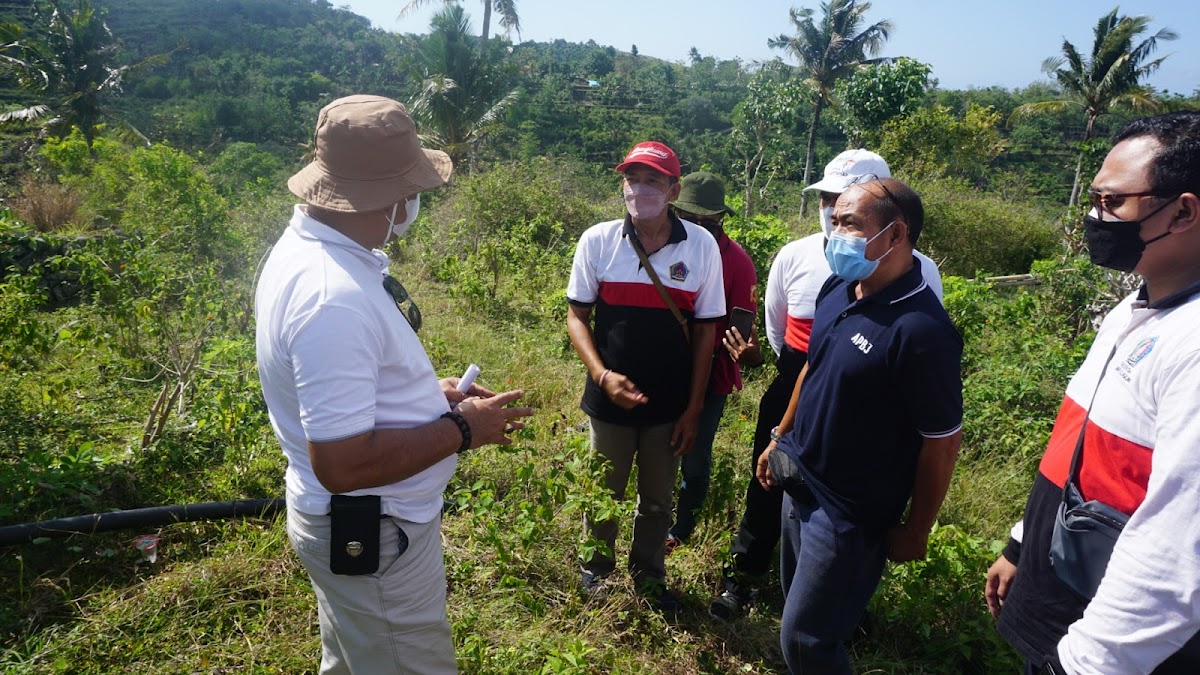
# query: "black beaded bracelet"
{"type": "Point", "coordinates": [463, 427]}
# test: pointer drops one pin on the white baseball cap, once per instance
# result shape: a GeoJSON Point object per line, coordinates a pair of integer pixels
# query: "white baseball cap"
{"type": "Point", "coordinates": [848, 168]}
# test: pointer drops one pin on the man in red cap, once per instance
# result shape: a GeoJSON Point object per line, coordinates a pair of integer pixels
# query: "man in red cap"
{"type": "Point", "coordinates": [366, 426]}
{"type": "Point", "coordinates": [655, 285]}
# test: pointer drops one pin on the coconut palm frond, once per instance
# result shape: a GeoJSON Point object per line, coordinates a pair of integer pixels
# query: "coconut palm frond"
{"type": "Point", "coordinates": [30, 114]}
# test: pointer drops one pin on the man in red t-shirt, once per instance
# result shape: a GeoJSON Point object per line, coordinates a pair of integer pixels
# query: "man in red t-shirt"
{"type": "Point", "coordinates": [702, 201]}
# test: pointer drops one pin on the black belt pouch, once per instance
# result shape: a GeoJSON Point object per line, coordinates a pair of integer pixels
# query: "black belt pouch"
{"type": "Point", "coordinates": [354, 534]}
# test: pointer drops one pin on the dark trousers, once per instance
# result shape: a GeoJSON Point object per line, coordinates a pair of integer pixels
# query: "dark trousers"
{"type": "Point", "coordinates": [696, 468]}
{"type": "Point", "coordinates": [829, 573]}
{"type": "Point", "coordinates": [753, 547]}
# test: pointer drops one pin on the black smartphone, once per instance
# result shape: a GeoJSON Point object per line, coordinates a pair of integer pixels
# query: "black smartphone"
{"type": "Point", "coordinates": [743, 320]}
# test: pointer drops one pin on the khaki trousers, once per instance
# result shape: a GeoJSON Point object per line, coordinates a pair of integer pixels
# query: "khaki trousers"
{"type": "Point", "coordinates": [393, 621]}
{"type": "Point", "coordinates": [650, 449]}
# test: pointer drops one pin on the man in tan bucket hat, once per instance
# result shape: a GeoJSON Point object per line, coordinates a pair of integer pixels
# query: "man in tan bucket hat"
{"type": "Point", "coordinates": [370, 434]}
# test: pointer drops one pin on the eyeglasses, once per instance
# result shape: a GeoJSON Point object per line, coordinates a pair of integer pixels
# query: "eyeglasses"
{"type": "Point", "coordinates": [708, 222]}
{"type": "Point", "coordinates": [1111, 201]}
{"type": "Point", "coordinates": [412, 313]}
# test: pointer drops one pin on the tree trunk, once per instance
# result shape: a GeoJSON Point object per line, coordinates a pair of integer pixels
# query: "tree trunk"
{"type": "Point", "coordinates": [1077, 185]}
{"type": "Point", "coordinates": [808, 155]}
{"type": "Point", "coordinates": [487, 23]}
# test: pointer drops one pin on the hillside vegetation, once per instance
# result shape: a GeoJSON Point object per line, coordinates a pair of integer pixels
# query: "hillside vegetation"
{"type": "Point", "coordinates": [127, 372]}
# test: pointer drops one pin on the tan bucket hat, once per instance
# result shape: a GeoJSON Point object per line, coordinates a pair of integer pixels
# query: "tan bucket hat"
{"type": "Point", "coordinates": [368, 158]}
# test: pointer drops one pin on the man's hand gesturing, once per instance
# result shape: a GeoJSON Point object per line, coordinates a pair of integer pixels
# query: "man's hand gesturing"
{"type": "Point", "coordinates": [490, 421]}
{"type": "Point", "coordinates": [622, 391]}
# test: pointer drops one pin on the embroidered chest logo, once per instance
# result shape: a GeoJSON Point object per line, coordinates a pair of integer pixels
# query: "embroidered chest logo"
{"type": "Point", "coordinates": [1125, 368]}
{"type": "Point", "coordinates": [862, 343]}
{"type": "Point", "coordinates": [1141, 351]}
{"type": "Point", "coordinates": [679, 271]}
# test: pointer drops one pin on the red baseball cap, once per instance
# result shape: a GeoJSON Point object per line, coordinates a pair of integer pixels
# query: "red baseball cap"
{"type": "Point", "coordinates": [654, 155]}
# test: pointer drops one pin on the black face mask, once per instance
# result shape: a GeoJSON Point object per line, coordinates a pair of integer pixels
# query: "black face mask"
{"type": "Point", "coordinates": [1117, 244]}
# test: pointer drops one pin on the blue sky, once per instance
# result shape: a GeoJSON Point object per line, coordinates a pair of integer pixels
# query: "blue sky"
{"type": "Point", "coordinates": [968, 42]}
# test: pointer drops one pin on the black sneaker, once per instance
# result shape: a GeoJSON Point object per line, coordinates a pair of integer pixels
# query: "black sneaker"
{"type": "Point", "coordinates": [730, 605]}
{"type": "Point", "coordinates": [593, 584]}
{"type": "Point", "coordinates": [665, 602]}
{"type": "Point", "coordinates": [659, 597]}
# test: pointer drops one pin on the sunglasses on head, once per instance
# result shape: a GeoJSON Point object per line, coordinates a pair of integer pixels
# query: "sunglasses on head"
{"type": "Point", "coordinates": [399, 293]}
{"type": "Point", "coordinates": [872, 178]}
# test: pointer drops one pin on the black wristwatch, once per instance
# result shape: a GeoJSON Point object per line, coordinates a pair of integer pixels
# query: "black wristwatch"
{"type": "Point", "coordinates": [775, 435]}
{"type": "Point", "coordinates": [463, 428]}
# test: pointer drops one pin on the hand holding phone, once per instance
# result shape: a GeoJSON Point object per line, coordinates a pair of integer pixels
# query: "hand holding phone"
{"type": "Point", "coordinates": [743, 320]}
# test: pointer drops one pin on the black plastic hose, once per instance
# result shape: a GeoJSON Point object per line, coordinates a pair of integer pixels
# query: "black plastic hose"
{"type": "Point", "coordinates": [139, 518]}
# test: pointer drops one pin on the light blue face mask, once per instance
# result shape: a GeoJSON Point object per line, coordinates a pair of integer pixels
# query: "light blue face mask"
{"type": "Point", "coordinates": [847, 255]}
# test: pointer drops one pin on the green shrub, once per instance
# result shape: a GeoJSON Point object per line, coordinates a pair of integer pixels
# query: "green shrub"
{"type": "Point", "coordinates": [27, 335]}
{"type": "Point", "coordinates": [931, 611]}
{"type": "Point", "coordinates": [69, 157]}
{"type": "Point", "coordinates": [156, 192]}
{"type": "Point", "coordinates": [1022, 345]}
{"type": "Point", "coordinates": [242, 170]}
{"type": "Point", "coordinates": [504, 239]}
{"type": "Point", "coordinates": [170, 198]}
{"type": "Point", "coordinates": [932, 141]}
{"type": "Point", "coordinates": [969, 232]}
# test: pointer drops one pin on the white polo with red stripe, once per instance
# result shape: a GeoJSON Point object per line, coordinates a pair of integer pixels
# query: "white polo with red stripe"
{"type": "Point", "coordinates": [797, 274]}
{"type": "Point", "coordinates": [634, 331]}
{"type": "Point", "coordinates": [1141, 455]}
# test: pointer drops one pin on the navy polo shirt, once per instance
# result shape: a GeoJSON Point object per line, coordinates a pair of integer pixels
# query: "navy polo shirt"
{"type": "Point", "coordinates": [884, 372]}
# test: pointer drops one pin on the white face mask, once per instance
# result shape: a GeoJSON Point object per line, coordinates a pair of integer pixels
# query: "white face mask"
{"type": "Point", "coordinates": [827, 220]}
{"type": "Point", "coordinates": [644, 201]}
{"type": "Point", "coordinates": [411, 208]}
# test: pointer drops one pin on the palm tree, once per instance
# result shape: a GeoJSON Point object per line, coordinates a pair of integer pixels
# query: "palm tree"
{"type": "Point", "coordinates": [507, 9]}
{"type": "Point", "coordinates": [828, 52]}
{"type": "Point", "coordinates": [463, 97]}
{"type": "Point", "coordinates": [69, 66]}
{"type": "Point", "coordinates": [1110, 77]}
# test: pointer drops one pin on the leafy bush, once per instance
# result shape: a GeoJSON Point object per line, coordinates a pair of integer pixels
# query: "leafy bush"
{"type": "Point", "coordinates": [932, 141]}
{"type": "Point", "coordinates": [878, 93]}
{"type": "Point", "coordinates": [969, 232]}
{"type": "Point", "coordinates": [241, 170]}
{"type": "Point", "coordinates": [1021, 347]}
{"type": "Point", "coordinates": [504, 239]}
{"type": "Point", "coordinates": [27, 337]}
{"type": "Point", "coordinates": [69, 155]}
{"type": "Point", "coordinates": [923, 611]}
{"type": "Point", "coordinates": [156, 192]}
{"type": "Point", "coordinates": [170, 198]}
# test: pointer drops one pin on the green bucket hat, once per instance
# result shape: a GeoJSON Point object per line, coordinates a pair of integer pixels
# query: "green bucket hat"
{"type": "Point", "coordinates": [703, 194]}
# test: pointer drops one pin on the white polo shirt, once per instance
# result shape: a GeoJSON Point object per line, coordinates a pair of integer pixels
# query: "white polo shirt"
{"type": "Point", "coordinates": [336, 358]}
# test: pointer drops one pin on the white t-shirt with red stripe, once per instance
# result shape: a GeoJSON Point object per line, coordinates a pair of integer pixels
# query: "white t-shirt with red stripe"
{"type": "Point", "coordinates": [635, 333]}
{"type": "Point", "coordinates": [797, 274]}
{"type": "Point", "coordinates": [1142, 456]}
